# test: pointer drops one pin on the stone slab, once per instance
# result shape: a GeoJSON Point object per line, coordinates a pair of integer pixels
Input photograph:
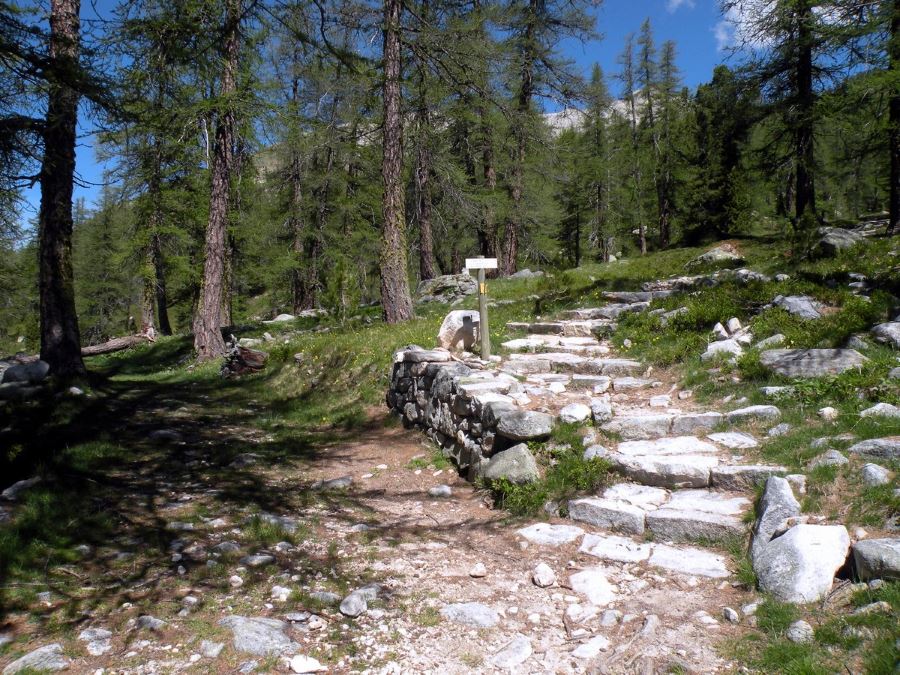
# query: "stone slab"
{"type": "Point", "coordinates": [616, 549]}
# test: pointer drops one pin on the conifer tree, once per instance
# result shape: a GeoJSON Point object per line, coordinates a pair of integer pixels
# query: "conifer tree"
{"type": "Point", "coordinates": [208, 341]}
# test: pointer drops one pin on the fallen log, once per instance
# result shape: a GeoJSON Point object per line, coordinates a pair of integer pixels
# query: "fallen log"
{"type": "Point", "coordinates": [115, 345]}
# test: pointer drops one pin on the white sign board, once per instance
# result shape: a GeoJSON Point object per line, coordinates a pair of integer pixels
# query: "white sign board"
{"type": "Point", "coordinates": [481, 263]}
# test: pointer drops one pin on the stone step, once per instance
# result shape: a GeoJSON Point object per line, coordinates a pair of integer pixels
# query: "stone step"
{"type": "Point", "coordinates": [686, 462]}
{"type": "Point", "coordinates": [610, 312]}
{"type": "Point", "coordinates": [639, 425]}
{"type": "Point", "coordinates": [636, 296]}
{"type": "Point", "coordinates": [588, 346]}
{"type": "Point", "coordinates": [565, 362]}
{"type": "Point", "coordinates": [685, 515]}
{"type": "Point", "coordinates": [680, 559]}
{"type": "Point", "coordinates": [578, 328]}
{"type": "Point", "coordinates": [674, 472]}
{"type": "Point", "coordinates": [669, 445]}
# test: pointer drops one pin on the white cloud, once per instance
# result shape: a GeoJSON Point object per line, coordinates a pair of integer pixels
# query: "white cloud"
{"type": "Point", "coordinates": [744, 25]}
{"type": "Point", "coordinates": [673, 6]}
{"type": "Point", "coordinates": [724, 35]}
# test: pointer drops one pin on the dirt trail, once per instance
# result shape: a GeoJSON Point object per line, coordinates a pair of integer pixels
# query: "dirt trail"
{"type": "Point", "coordinates": [178, 508]}
{"type": "Point", "coordinates": [425, 550]}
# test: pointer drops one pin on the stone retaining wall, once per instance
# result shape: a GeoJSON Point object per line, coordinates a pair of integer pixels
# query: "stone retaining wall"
{"type": "Point", "coordinates": [459, 406]}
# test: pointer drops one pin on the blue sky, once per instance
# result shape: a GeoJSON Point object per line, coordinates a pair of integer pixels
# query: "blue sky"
{"type": "Point", "coordinates": [692, 24]}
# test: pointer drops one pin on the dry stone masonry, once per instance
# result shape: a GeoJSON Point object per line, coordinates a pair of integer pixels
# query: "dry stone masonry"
{"type": "Point", "coordinates": [467, 411]}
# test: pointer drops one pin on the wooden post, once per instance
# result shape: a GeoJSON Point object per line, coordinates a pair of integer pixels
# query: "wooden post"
{"type": "Point", "coordinates": [483, 329]}
{"type": "Point", "coordinates": [481, 264]}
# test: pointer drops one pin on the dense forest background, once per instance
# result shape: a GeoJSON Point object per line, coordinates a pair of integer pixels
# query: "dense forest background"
{"type": "Point", "coordinates": [504, 148]}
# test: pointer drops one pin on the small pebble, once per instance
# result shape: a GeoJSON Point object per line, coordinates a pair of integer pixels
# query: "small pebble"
{"type": "Point", "coordinates": [478, 571]}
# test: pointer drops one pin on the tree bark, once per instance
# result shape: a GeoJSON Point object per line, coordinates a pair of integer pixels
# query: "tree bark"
{"type": "Point", "coordinates": [396, 303]}
{"type": "Point", "coordinates": [154, 303]}
{"type": "Point", "coordinates": [60, 338]}
{"type": "Point", "coordinates": [297, 225]}
{"type": "Point", "coordinates": [321, 198]}
{"type": "Point", "coordinates": [487, 233]}
{"type": "Point", "coordinates": [148, 294]}
{"type": "Point", "coordinates": [510, 252]}
{"type": "Point", "coordinates": [297, 228]}
{"type": "Point", "coordinates": [208, 342]}
{"type": "Point", "coordinates": [162, 298]}
{"type": "Point", "coordinates": [629, 81]}
{"type": "Point", "coordinates": [116, 344]}
{"type": "Point", "coordinates": [803, 130]}
{"type": "Point", "coordinates": [422, 183]}
{"type": "Point", "coordinates": [894, 122]}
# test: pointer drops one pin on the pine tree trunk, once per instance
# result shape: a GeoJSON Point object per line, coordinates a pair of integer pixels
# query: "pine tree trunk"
{"type": "Point", "coordinates": [894, 122]}
{"type": "Point", "coordinates": [297, 226]}
{"type": "Point", "coordinates": [636, 178]}
{"type": "Point", "coordinates": [148, 294]}
{"type": "Point", "coordinates": [60, 339]}
{"type": "Point", "coordinates": [422, 185]}
{"type": "Point", "coordinates": [803, 131]}
{"type": "Point", "coordinates": [487, 233]}
{"type": "Point", "coordinates": [396, 303]}
{"type": "Point", "coordinates": [162, 298]}
{"type": "Point", "coordinates": [313, 282]}
{"type": "Point", "coordinates": [510, 249]}
{"type": "Point", "coordinates": [664, 200]}
{"type": "Point", "coordinates": [154, 300]}
{"type": "Point", "coordinates": [208, 342]}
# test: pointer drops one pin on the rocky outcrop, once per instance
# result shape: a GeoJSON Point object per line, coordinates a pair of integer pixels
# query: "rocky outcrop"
{"type": "Point", "coordinates": [835, 239]}
{"type": "Point", "coordinates": [724, 254]}
{"type": "Point", "coordinates": [877, 559]}
{"type": "Point", "coordinates": [777, 505]}
{"type": "Point", "coordinates": [799, 305]}
{"type": "Point", "coordinates": [811, 362]}
{"type": "Point", "coordinates": [887, 448]}
{"type": "Point", "coordinates": [447, 289]}
{"type": "Point", "coordinates": [27, 373]}
{"type": "Point", "coordinates": [687, 283]}
{"type": "Point", "coordinates": [459, 331]}
{"type": "Point", "coordinates": [888, 333]}
{"type": "Point", "coordinates": [516, 465]}
{"type": "Point", "coordinates": [259, 635]}
{"type": "Point", "coordinates": [799, 566]}
{"type": "Point", "coordinates": [47, 659]}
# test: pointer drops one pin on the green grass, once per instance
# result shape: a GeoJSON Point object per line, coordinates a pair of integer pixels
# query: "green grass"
{"type": "Point", "coordinates": [434, 461]}
{"type": "Point", "coordinates": [565, 474]}
{"type": "Point", "coordinates": [740, 555]}
{"type": "Point", "coordinates": [862, 643]}
{"type": "Point", "coordinates": [774, 617]}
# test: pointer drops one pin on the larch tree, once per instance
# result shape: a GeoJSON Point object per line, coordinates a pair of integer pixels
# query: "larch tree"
{"type": "Point", "coordinates": [893, 86]}
{"type": "Point", "coordinates": [207, 324]}
{"type": "Point", "coordinates": [665, 170]}
{"type": "Point", "coordinates": [789, 56]}
{"type": "Point", "coordinates": [396, 301]}
{"type": "Point", "coordinates": [60, 338]}
{"type": "Point", "coordinates": [646, 80]}
{"type": "Point", "coordinates": [597, 162]}
{"type": "Point", "coordinates": [536, 29]}
{"type": "Point", "coordinates": [628, 77]}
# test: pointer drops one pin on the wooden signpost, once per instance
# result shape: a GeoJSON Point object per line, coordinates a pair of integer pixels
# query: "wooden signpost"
{"type": "Point", "coordinates": [481, 264]}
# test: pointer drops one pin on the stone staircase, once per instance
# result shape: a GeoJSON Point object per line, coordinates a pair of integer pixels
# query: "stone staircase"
{"type": "Point", "coordinates": [684, 482]}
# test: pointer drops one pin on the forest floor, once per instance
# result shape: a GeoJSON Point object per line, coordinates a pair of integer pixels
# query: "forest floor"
{"type": "Point", "coordinates": [162, 478]}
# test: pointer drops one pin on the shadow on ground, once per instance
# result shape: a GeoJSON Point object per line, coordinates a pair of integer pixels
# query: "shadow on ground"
{"type": "Point", "coordinates": [138, 470]}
